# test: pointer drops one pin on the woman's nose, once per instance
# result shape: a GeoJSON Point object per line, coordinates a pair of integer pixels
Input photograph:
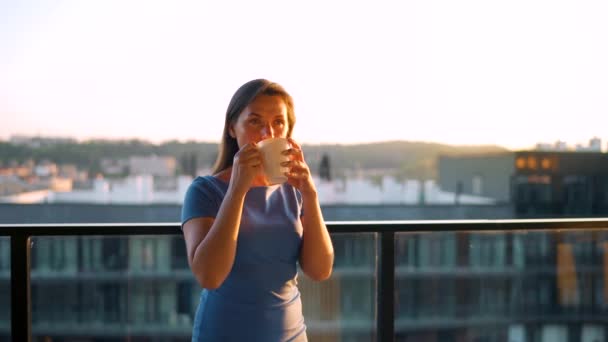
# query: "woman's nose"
{"type": "Point", "coordinates": [267, 131]}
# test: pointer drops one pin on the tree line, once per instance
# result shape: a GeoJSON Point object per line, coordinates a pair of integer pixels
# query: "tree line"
{"type": "Point", "coordinates": [406, 159]}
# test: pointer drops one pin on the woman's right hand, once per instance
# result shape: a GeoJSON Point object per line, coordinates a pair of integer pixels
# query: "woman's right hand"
{"type": "Point", "coordinates": [246, 165]}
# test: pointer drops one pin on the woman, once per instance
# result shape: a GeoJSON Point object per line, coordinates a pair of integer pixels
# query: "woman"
{"type": "Point", "coordinates": [244, 236]}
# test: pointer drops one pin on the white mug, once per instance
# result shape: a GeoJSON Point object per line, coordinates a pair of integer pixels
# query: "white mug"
{"type": "Point", "coordinates": [272, 157]}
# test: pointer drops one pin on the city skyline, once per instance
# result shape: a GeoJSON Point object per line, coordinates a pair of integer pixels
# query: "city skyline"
{"type": "Point", "coordinates": [594, 144]}
{"type": "Point", "coordinates": [465, 73]}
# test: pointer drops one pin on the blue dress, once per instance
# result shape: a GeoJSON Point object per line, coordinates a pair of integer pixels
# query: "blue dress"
{"type": "Point", "coordinates": [259, 300]}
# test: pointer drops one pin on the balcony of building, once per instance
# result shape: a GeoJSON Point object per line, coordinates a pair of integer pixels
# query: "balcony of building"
{"type": "Point", "coordinates": [488, 280]}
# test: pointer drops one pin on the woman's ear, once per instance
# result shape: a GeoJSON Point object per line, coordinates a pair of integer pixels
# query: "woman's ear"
{"type": "Point", "coordinates": [231, 131]}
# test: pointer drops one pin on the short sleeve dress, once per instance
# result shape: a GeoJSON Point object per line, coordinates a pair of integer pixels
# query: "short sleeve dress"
{"type": "Point", "coordinates": [259, 300]}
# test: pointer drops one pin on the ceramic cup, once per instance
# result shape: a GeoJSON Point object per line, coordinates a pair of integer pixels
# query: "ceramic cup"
{"type": "Point", "coordinates": [272, 157]}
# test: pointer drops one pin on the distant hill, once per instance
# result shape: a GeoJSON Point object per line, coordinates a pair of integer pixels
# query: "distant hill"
{"type": "Point", "coordinates": [405, 159]}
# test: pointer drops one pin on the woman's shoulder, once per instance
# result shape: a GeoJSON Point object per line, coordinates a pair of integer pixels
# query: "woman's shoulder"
{"type": "Point", "coordinates": [207, 180]}
{"type": "Point", "coordinates": [202, 199]}
{"type": "Point", "coordinates": [208, 184]}
{"type": "Point", "coordinates": [199, 180]}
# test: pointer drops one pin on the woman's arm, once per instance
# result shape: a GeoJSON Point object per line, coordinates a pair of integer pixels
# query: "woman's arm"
{"type": "Point", "coordinates": [317, 253]}
{"type": "Point", "coordinates": [211, 243]}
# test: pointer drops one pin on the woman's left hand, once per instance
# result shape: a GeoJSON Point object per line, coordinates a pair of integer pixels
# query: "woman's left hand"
{"type": "Point", "coordinates": [298, 175]}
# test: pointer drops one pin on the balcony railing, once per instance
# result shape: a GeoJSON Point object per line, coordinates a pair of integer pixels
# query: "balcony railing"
{"type": "Point", "coordinates": [407, 255]}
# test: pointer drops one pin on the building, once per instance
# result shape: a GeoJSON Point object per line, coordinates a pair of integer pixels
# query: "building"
{"type": "Point", "coordinates": [38, 141]}
{"type": "Point", "coordinates": [595, 145]}
{"type": "Point", "coordinates": [538, 183]}
{"type": "Point", "coordinates": [158, 166]}
{"type": "Point", "coordinates": [10, 185]}
{"type": "Point", "coordinates": [515, 286]}
{"type": "Point", "coordinates": [153, 165]}
{"type": "Point", "coordinates": [485, 175]}
{"type": "Point", "coordinates": [562, 184]}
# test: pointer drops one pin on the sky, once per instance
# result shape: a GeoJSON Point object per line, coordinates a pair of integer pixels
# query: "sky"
{"type": "Point", "coordinates": [509, 73]}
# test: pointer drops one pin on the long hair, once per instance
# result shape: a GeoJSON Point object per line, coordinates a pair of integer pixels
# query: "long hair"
{"type": "Point", "coordinates": [240, 100]}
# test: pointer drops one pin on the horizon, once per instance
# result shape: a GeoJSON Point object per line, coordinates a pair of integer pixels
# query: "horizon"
{"type": "Point", "coordinates": [455, 73]}
{"type": "Point", "coordinates": [183, 141]}
{"type": "Point", "coordinates": [570, 146]}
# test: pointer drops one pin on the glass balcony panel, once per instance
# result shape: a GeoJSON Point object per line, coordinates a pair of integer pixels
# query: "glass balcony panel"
{"type": "Point", "coordinates": [502, 286]}
{"type": "Point", "coordinates": [132, 287]}
{"type": "Point", "coordinates": [5, 288]}
{"type": "Point", "coordinates": [343, 308]}
{"type": "Point", "coordinates": [90, 288]}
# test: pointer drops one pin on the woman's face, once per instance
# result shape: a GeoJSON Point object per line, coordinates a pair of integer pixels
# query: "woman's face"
{"type": "Point", "coordinates": [265, 117]}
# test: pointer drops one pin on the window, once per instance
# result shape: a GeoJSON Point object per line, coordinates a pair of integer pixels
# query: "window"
{"type": "Point", "coordinates": [114, 253]}
{"type": "Point", "coordinates": [184, 297]}
{"type": "Point", "coordinates": [148, 253]}
{"type": "Point", "coordinates": [477, 185]}
{"type": "Point", "coordinates": [179, 255]}
{"type": "Point", "coordinates": [532, 163]}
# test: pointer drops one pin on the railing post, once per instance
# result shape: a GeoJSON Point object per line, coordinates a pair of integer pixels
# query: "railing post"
{"type": "Point", "coordinates": [20, 288]}
{"type": "Point", "coordinates": [385, 324]}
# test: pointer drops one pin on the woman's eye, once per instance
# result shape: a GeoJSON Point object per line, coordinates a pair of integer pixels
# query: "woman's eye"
{"type": "Point", "coordinates": [254, 121]}
{"type": "Point", "coordinates": [279, 122]}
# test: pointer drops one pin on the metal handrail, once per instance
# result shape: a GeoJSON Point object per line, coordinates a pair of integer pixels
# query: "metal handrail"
{"type": "Point", "coordinates": [333, 226]}
{"type": "Point", "coordinates": [20, 235]}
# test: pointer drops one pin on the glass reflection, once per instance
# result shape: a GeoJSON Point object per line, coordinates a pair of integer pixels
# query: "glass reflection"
{"type": "Point", "coordinates": [139, 288]}
{"type": "Point", "coordinates": [5, 288]}
{"type": "Point", "coordinates": [502, 286]}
